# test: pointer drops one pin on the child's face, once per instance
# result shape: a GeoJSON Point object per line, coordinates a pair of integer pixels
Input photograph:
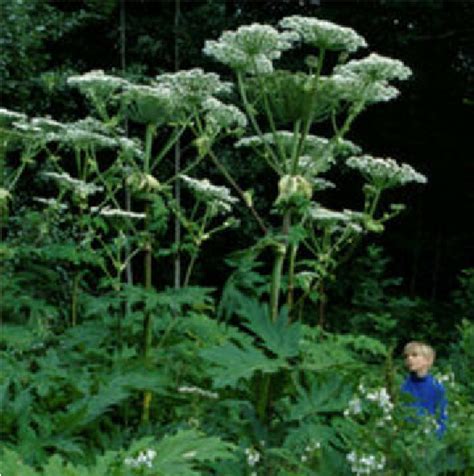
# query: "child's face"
{"type": "Point", "coordinates": [417, 362]}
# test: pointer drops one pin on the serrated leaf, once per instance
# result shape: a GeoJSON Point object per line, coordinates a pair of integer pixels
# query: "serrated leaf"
{"type": "Point", "coordinates": [322, 396]}
{"type": "Point", "coordinates": [232, 363]}
{"type": "Point", "coordinates": [182, 453]}
{"type": "Point", "coordinates": [280, 337]}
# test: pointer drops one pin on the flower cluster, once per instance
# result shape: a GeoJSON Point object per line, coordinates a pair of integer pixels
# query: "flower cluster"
{"type": "Point", "coordinates": [365, 464]}
{"type": "Point", "coordinates": [309, 450]}
{"type": "Point", "coordinates": [51, 202]}
{"type": "Point", "coordinates": [253, 456]}
{"type": "Point", "coordinates": [324, 34]}
{"type": "Point", "coordinates": [385, 173]}
{"type": "Point", "coordinates": [222, 116]}
{"type": "Point", "coordinates": [332, 218]}
{"type": "Point", "coordinates": [218, 197]}
{"type": "Point", "coordinates": [7, 116]}
{"type": "Point", "coordinates": [379, 397]}
{"type": "Point", "coordinates": [251, 48]}
{"type": "Point", "coordinates": [193, 86]}
{"type": "Point", "coordinates": [117, 213]}
{"type": "Point", "coordinates": [47, 124]}
{"type": "Point", "coordinates": [144, 458]}
{"type": "Point", "coordinates": [351, 87]}
{"type": "Point", "coordinates": [150, 104]}
{"type": "Point", "coordinates": [375, 67]}
{"type": "Point", "coordinates": [447, 378]}
{"type": "Point", "coordinates": [198, 391]}
{"type": "Point", "coordinates": [96, 82]}
{"type": "Point", "coordinates": [83, 189]}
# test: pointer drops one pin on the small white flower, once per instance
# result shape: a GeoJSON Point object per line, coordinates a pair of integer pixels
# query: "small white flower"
{"type": "Point", "coordinates": [198, 391]}
{"type": "Point", "coordinates": [253, 456]}
{"type": "Point", "coordinates": [189, 454]}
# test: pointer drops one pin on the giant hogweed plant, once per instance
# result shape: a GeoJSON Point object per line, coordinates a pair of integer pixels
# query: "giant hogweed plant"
{"type": "Point", "coordinates": [276, 381]}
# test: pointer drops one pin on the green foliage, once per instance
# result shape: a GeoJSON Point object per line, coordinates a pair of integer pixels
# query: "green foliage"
{"type": "Point", "coordinates": [107, 369]}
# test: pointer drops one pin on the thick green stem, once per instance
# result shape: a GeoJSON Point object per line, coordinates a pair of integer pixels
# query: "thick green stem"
{"type": "Point", "coordinates": [291, 277]}
{"type": "Point", "coordinates": [148, 321]}
{"type": "Point", "coordinates": [280, 251]}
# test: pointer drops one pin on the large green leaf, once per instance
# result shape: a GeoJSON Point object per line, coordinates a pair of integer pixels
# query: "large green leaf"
{"type": "Point", "coordinates": [183, 453]}
{"type": "Point", "coordinates": [231, 362]}
{"type": "Point", "coordinates": [280, 337]}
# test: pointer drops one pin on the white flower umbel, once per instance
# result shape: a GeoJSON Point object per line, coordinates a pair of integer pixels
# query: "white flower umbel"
{"type": "Point", "coordinates": [193, 86]}
{"type": "Point", "coordinates": [336, 221]}
{"type": "Point", "coordinates": [143, 459]}
{"type": "Point", "coordinates": [7, 117]}
{"type": "Point", "coordinates": [223, 116]}
{"type": "Point", "coordinates": [351, 87]}
{"type": "Point", "coordinates": [324, 34]}
{"type": "Point", "coordinates": [251, 48]}
{"type": "Point", "coordinates": [150, 104]}
{"type": "Point", "coordinates": [375, 67]}
{"type": "Point", "coordinates": [27, 127]}
{"type": "Point", "coordinates": [313, 145]}
{"type": "Point", "coordinates": [365, 464]}
{"type": "Point", "coordinates": [81, 188]}
{"type": "Point", "coordinates": [385, 173]}
{"type": "Point", "coordinates": [96, 82]}
{"type": "Point", "coordinates": [47, 124]}
{"type": "Point", "coordinates": [198, 391]}
{"type": "Point", "coordinates": [51, 202]}
{"type": "Point", "coordinates": [117, 213]}
{"type": "Point", "coordinates": [218, 196]}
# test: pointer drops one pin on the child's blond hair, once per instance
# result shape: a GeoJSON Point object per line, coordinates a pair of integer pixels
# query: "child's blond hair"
{"type": "Point", "coordinates": [422, 348]}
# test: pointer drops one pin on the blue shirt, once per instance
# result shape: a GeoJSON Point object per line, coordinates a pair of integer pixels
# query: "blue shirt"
{"type": "Point", "coordinates": [430, 397]}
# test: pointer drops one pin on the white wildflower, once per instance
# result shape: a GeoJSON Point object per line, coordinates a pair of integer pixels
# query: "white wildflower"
{"type": "Point", "coordinates": [26, 127]}
{"type": "Point", "coordinates": [354, 407]}
{"type": "Point", "coordinates": [117, 213]}
{"type": "Point", "coordinates": [151, 104]}
{"type": "Point", "coordinates": [381, 398]}
{"type": "Point", "coordinates": [7, 116]}
{"type": "Point", "coordinates": [365, 464]}
{"type": "Point", "coordinates": [253, 456]}
{"type": "Point", "coordinates": [198, 391]}
{"type": "Point", "coordinates": [385, 173]}
{"type": "Point", "coordinates": [50, 202]}
{"type": "Point", "coordinates": [193, 86]}
{"type": "Point", "coordinates": [250, 49]}
{"type": "Point", "coordinates": [354, 88]}
{"type": "Point", "coordinates": [375, 67]}
{"type": "Point", "coordinates": [324, 34]}
{"type": "Point", "coordinates": [96, 82]}
{"type": "Point", "coordinates": [222, 116]}
{"type": "Point", "coordinates": [143, 459]}
{"type": "Point", "coordinates": [218, 197]}
{"type": "Point", "coordinates": [85, 138]}
{"type": "Point", "coordinates": [83, 189]}
{"type": "Point", "coordinates": [47, 124]}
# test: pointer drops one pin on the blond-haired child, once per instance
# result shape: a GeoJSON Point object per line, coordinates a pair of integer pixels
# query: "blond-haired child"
{"type": "Point", "coordinates": [429, 394]}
